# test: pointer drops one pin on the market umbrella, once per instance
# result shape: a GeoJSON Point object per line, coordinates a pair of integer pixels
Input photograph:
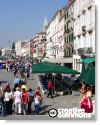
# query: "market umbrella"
{"type": "Point", "coordinates": [46, 67]}
{"type": "Point", "coordinates": [89, 75]}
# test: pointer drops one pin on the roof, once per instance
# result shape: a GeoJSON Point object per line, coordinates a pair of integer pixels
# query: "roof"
{"type": "Point", "coordinates": [59, 10]}
{"type": "Point", "coordinates": [41, 33]}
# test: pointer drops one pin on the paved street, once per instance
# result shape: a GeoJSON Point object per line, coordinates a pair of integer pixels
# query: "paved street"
{"type": "Point", "coordinates": [68, 101]}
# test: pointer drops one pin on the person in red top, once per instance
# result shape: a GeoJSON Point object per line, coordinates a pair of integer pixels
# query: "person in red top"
{"type": "Point", "coordinates": [25, 101]}
{"type": "Point", "coordinates": [50, 89]}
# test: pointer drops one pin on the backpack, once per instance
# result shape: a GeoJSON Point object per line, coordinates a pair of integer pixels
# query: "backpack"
{"type": "Point", "coordinates": [31, 98]}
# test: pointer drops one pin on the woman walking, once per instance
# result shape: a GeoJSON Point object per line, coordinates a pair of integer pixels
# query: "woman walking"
{"type": "Point", "coordinates": [17, 101]}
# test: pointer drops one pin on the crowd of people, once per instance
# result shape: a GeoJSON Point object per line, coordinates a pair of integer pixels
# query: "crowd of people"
{"type": "Point", "coordinates": [20, 99]}
{"type": "Point", "coordinates": [19, 66]}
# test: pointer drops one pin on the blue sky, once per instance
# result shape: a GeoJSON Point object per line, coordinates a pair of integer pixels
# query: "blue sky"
{"type": "Point", "coordinates": [22, 19]}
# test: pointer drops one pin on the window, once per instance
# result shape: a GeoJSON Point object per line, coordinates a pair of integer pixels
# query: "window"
{"type": "Point", "coordinates": [65, 16]}
{"type": "Point", "coordinates": [69, 38]}
{"type": "Point", "coordinates": [65, 39]}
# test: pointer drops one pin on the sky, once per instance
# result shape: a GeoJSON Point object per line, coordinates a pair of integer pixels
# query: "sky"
{"type": "Point", "coordinates": [22, 19]}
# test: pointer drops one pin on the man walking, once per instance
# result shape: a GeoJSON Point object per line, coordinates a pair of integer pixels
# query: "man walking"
{"type": "Point", "coordinates": [50, 89]}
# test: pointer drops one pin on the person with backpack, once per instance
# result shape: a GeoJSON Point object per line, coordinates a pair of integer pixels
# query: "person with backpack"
{"type": "Point", "coordinates": [31, 99]}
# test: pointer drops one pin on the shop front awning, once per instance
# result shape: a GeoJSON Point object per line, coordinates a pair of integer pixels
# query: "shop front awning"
{"type": "Point", "coordinates": [88, 60]}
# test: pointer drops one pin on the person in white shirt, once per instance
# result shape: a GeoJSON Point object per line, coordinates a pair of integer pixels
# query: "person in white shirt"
{"type": "Point", "coordinates": [17, 101]}
{"type": "Point", "coordinates": [7, 101]}
{"type": "Point", "coordinates": [37, 103]}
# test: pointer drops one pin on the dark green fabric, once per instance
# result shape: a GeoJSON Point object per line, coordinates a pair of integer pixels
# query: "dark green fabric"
{"type": "Point", "coordinates": [46, 67]}
{"type": "Point", "coordinates": [88, 75]}
{"type": "Point", "coordinates": [88, 60]}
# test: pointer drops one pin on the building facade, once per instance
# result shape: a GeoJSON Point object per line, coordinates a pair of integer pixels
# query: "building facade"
{"type": "Point", "coordinates": [19, 47]}
{"type": "Point", "coordinates": [39, 45]}
{"type": "Point", "coordinates": [27, 49]}
{"type": "Point", "coordinates": [55, 37]}
{"type": "Point", "coordinates": [84, 31]}
{"type": "Point", "coordinates": [68, 34]}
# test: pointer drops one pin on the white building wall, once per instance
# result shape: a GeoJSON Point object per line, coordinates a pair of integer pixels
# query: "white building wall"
{"type": "Point", "coordinates": [18, 48]}
{"type": "Point", "coordinates": [55, 43]}
{"type": "Point", "coordinates": [87, 19]}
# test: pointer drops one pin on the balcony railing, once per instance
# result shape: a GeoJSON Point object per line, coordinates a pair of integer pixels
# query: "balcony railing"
{"type": "Point", "coordinates": [85, 50]}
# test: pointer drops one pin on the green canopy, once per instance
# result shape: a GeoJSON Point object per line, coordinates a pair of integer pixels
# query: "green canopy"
{"type": "Point", "coordinates": [88, 75]}
{"type": "Point", "coordinates": [88, 60]}
{"type": "Point", "coordinates": [46, 67]}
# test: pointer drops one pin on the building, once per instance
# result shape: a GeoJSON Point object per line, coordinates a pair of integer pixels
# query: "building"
{"type": "Point", "coordinates": [39, 45]}
{"type": "Point", "coordinates": [7, 53]}
{"type": "Point", "coordinates": [55, 38]}
{"type": "Point", "coordinates": [68, 33]}
{"type": "Point", "coordinates": [19, 47]}
{"type": "Point", "coordinates": [27, 49]}
{"type": "Point", "coordinates": [84, 31]}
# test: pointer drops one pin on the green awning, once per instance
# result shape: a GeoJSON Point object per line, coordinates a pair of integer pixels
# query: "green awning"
{"type": "Point", "coordinates": [46, 67]}
{"type": "Point", "coordinates": [88, 60]}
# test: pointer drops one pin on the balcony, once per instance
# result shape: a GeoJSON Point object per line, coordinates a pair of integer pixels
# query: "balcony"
{"type": "Point", "coordinates": [67, 31]}
{"type": "Point", "coordinates": [90, 26]}
{"type": "Point", "coordinates": [83, 11]}
{"type": "Point", "coordinates": [85, 50]}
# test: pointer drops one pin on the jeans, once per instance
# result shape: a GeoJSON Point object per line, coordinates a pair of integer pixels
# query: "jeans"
{"type": "Point", "coordinates": [37, 108]}
{"type": "Point", "coordinates": [29, 107]}
{"type": "Point", "coordinates": [3, 109]}
{"type": "Point", "coordinates": [18, 107]}
{"type": "Point", "coordinates": [7, 105]}
{"type": "Point", "coordinates": [25, 109]}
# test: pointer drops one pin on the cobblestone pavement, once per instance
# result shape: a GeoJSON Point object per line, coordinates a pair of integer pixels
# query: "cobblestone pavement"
{"type": "Point", "coordinates": [67, 101]}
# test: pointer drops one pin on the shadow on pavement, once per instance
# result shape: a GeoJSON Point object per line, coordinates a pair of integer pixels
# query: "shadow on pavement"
{"type": "Point", "coordinates": [44, 110]}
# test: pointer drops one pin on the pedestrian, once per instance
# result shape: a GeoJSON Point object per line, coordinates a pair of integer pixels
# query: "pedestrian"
{"type": "Point", "coordinates": [86, 103]}
{"type": "Point", "coordinates": [1, 90]}
{"type": "Point", "coordinates": [15, 70]}
{"type": "Point", "coordinates": [37, 92]}
{"type": "Point", "coordinates": [2, 101]}
{"type": "Point", "coordinates": [50, 89]}
{"type": "Point", "coordinates": [37, 100]}
{"type": "Point", "coordinates": [25, 101]}
{"type": "Point", "coordinates": [7, 101]}
{"type": "Point", "coordinates": [16, 82]}
{"type": "Point", "coordinates": [24, 86]}
{"type": "Point", "coordinates": [11, 101]}
{"type": "Point", "coordinates": [17, 101]}
{"type": "Point", "coordinates": [82, 91]}
{"type": "Point", "coordinates": [31, 99]}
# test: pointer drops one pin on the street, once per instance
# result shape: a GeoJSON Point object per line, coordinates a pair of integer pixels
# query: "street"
{"type": "Point", "coordinates": [67, 101]}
